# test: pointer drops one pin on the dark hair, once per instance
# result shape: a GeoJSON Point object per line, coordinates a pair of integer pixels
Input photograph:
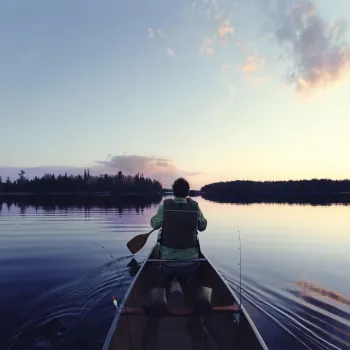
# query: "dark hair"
{"type": "Point", "coordinates": [181, 188]}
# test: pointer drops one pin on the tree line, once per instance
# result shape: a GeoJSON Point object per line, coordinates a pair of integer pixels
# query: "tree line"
{"type": "Point", "coordinates": [86, 183]}
{"type": "Point", "coordinates": [277, 190]}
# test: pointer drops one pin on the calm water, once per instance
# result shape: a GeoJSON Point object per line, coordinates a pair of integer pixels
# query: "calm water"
{"type": "Point", "coordinates": [57, 283]}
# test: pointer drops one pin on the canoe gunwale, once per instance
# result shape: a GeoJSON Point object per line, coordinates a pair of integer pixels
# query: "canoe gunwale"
{"type": "Point", "coordinates": [125, 298]}
{"type": "Point", "coordinates": [243, 310]}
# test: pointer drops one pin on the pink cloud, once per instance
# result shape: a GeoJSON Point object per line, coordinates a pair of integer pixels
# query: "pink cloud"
{"type": "Point", "coordinates": [225, 29]}
{"type": "Point", "coordinates": [210, 51]}
{"type": "Point", "coordinates": [253, 63]}
{"type": "Point", "coordinates": [170, 51]}
{"type": "Point", "coordinates": [163, 169]}
{"type": "Point", "coordinates": [254, 70]}
{"type": "Point", "coordinates": [207, 46]}
{"type": "Point", "coordinates": [216, 11]}
{"type": "Point", "coordinates": [317, 49]}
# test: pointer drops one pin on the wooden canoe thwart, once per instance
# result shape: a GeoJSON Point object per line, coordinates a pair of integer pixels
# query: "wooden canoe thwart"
{"type": "Point", "coordinates": [208, 316]}
{"type": "Point", "coordinates": [185, 312]}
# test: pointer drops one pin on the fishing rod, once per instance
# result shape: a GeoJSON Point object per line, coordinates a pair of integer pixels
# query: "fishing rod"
{"type": "Point", "coordinates": [240, 268]}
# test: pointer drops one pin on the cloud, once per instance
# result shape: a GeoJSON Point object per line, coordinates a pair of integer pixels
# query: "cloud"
{"type": "Point", "coordinates": [210, 51]}
{"type": "Point", "coordinates": [253, 63]}
{"type": "Point", "coordinates": [216, 12]}
{"type": "Point", "coordinates": [225, 29]}
{"type": "Point", "coordinates": [151, 33]}
{"type": "Point", "coordinates": [157, 33]}
{"type": "Point", "coordinates": [316, 48]}
{"type": "Point", "coordinates": [162, 169]}
{"type": "Point", "coordinates": [170, 51]}
{"type": "Point", "coordinates": [207, 46]}
{"type": "Point", "coordinates": [254, 70]}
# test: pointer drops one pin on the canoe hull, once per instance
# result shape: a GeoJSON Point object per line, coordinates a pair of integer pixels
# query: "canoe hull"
{"type": "Point", "coordinates": [217, 330]}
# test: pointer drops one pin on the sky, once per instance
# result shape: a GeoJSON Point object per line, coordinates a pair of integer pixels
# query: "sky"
{"type": "Point", "coordinates": [211, 90]}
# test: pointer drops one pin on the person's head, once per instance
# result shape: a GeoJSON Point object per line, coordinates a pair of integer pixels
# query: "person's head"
{"type": "Point", "coordinates": [181, 188]}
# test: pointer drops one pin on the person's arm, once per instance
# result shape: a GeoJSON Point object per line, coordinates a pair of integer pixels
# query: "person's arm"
{"type": "Point", "coordinates": [202, 221]}
{"type": "Point", "coordinates": [157, 220]}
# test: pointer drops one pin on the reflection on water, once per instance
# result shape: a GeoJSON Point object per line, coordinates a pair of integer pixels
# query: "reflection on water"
{"type": "Point", "coordinates": [67, 203]}
{"type": "Point", "coordinates": [308, 288]}
{"type": "Point", "coordinates": [342, 199]}
{"type": "Point", "coordinates": [57, 280]}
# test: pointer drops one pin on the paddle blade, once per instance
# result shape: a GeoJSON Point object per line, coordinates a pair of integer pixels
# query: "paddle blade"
{"type": "Point", "coordinates": [137, 242]}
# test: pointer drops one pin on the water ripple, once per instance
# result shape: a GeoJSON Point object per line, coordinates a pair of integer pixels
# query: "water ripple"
{"type": "Point", "coordinates": [73, 304]}
{"type": "Point", "coordinates": [324, 327]}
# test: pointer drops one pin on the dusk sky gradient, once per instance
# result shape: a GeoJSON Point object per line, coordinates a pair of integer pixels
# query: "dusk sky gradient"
{"type": "Point", "coordinates": [211, 90]}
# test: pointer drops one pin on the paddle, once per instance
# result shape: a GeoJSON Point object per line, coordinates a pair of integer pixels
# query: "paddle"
{"type": "Point", "coordinates": [137, 242]}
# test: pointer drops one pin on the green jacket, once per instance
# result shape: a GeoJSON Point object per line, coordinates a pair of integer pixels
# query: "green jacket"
{"type": "Point", "coordinates": [168, 253]}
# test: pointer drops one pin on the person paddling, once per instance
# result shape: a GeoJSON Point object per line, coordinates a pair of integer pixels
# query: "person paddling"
{"type": "Point", "coordinates": [180, 218]}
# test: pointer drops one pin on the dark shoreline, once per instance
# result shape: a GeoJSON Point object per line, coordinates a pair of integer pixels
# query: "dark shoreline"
{"type": "Point", "coordinates": [316, 199]}
{"type": "Point", "coordinates": [72, 194]}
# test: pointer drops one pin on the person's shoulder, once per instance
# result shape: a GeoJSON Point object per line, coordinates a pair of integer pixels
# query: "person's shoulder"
{"type": "Point", "coordinates": [160, 206]}
{"type": "Point", "coordinates": [166, 201]}
{"type": "Point", "coordinates": [192, 201]}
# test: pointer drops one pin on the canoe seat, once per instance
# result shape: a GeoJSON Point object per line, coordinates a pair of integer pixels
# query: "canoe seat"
{"type": "Point", "coordinates": [178, 268]}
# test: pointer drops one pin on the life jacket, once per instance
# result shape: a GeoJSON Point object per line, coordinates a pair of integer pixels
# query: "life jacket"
{"type": "Point", "coordinates": [180, 220]}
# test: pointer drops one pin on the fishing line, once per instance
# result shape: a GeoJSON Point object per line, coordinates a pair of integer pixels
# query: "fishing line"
{"type": "Point", "coordinates": [240, 268]}
{"type": "Point", "coordinates": [124, 293]}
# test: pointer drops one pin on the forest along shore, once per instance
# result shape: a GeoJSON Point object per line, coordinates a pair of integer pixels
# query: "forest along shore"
{"type": "Point", "coordinates": [82, 185]}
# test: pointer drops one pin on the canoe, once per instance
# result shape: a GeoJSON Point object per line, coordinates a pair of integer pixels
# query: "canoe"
{"type": "Point", "coordinates": [224, 325]}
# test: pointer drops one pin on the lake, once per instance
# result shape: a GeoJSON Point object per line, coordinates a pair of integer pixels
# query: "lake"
{"type": "Point", "coordinates": [57, 278]}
